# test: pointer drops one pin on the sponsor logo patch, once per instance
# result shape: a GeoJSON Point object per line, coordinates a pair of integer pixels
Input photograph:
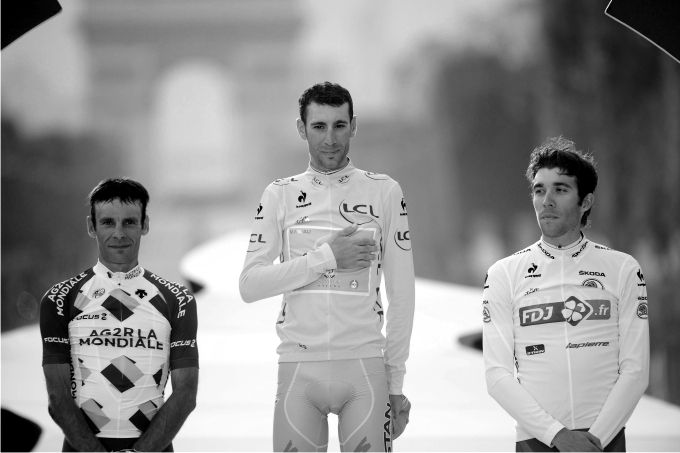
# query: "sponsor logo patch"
{"type": "Point", "coordinates": [593, 283]}
{"type": "Point", "coordinates": [642, 310]}
{"type": "Point", "coordinates": [98, 293]}
{"type": "Point", "coordinates": [572, 311]}
{"type": "Point", "coordinates": [535, 349]}
{"type": "Point", "coordinates": [486, 315]}
{"type": "Point", "coordinates": [257, 215]}
{"type": "Point", "coordinates": [403, 239]}
{"type": "Point", "coordinates": [587, 344]}
{"type": "Point", "coordinates": [545, 252]}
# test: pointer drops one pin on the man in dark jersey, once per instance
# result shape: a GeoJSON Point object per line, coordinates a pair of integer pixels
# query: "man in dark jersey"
{"type": "Point", "coordinates": [114, 333]}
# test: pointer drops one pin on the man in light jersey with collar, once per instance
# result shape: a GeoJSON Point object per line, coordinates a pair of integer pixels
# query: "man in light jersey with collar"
{"type": "Point", "coordinates": [113, 334]}
{"type": "Point", "coordinates": [336, 231]}
{"type": "Point", "coordinates": [570, 316]}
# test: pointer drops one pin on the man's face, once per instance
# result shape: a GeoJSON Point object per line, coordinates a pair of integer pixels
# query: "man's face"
{"type": "Point", "coordinates": [119, 229]}
{"type": "Point", "coordinates": [327, 133]}
{"type": "Point", "coordinates": [556, 202]}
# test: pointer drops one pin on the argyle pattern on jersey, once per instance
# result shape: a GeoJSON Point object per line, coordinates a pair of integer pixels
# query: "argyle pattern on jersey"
{"type": "Point", "coordinates": [122, 373]}
{"type": "Point", "coordinates": [85, 372]}
{"type": "Point", "coordinates": [120, 304]}
{"type": "Point", "coordinates": [142, 418]}
{"type": "Point", "coordinates": [94, 416]}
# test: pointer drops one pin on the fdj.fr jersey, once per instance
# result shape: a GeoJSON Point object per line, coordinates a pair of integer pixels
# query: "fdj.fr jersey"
{"type": "Point", "coordinates": [328, 313]}
{"type": "Point", "coordinates": [573, 322]}
{"type": "Point", "coordinates": [122, 333]}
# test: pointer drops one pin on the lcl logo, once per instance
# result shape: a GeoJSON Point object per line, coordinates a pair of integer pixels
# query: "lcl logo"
{"type": "Point", "coordinates": [362, 209]}
{"type": "Point", "coordinates": [256, 239]}
{"type": "Point", "coordinates": [403, 239]}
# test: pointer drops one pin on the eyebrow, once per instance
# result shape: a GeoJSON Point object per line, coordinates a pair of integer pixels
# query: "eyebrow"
{"type": "Point", "coordinates": [323, 123]}
{"type": "Point", "coordinates": [559, 184]}
{"type": "Point", "coordinates": [126, 219]}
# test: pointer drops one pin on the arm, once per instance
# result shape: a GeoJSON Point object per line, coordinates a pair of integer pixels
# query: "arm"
{"type": "Point", "coordinates": [633, 357]}
{"type": "Point", "coordinates": [499, 353]}
{"type": "Point", "coordinates": [260, 278]}
{"type": "Point", "coordinates": [64, 410]}
{"type": "Point", "coordinates": [166, 423]}
{"type": "Point", "coordinates": [397, 263]}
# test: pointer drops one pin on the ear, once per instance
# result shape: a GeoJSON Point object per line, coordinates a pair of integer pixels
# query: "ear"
{"type": "Point", "coordinates": [145, 226]}
{"type": "Point", "coordinates": [90, 228]}
{"type": "Point", "coordinates": [588, 202]}
{"type": "Point", "coordinates": [353, 127]}
{"type": "Point", "coordinates": [302, 131]}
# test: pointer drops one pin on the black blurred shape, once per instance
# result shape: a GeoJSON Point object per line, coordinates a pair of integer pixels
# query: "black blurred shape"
{"type": "Point", "coordinates": [18, 433]}
{"type": "Point", "coordinates": [474, 340]}
{"type": "Point", "coordinates": [20, 16]}
{"type": "Point", "coordinates": [194, 287]}
{"type": "Point", "coordinates": [657, 21]}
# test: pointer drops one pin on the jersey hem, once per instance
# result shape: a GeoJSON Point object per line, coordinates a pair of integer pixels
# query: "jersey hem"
{"type": "Point", "coordinates": [333, 355]}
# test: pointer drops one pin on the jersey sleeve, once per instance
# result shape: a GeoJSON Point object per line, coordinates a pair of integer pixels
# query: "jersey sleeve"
{"type": "Point", "coordinates": [397, 262]}
{"type": "Point", "coordinates": [260, 278]}
{"type": "Point", "coordinates": [633, 355]}
{"type": "Point", "coordinates": [183, 330]}
{"type": "Point", "coordinates": [54, 321]}
{"type": "Point", "coordinates": [499, 357]}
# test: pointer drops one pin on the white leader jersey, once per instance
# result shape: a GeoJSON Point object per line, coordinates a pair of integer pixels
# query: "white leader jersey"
{"type": "Point", "coordinates": [328, 313]}
{"type": "Point", "coordinates": [573, 322]}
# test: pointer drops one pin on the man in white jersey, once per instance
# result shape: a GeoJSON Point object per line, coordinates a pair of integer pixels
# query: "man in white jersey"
{"type": "Point", "coordinates": [113, 334]}
{"type": "Point", "coordinates": [336, 230]}
{"type": "Point", "coordinates": [569, 316]}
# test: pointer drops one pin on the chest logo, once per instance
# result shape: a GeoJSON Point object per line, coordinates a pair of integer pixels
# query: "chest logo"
{"type": "Point", "coordinates": [348, 212]}
{"type": "Point", "coordinates": [141, 293]}
{"type": "Point", "coordinates": [301, 199]}
{"type": "Point", "coordinates": [532, 271]}
{"type": "Point", "coordinates": [98, 293]}
{"type": "Point", "coordinates": [572, 311]}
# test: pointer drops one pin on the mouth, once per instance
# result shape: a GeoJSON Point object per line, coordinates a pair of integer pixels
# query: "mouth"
{"type": "Point", "coordinates": [548, 216]}
{"type": "Point", "coordinates": [119, 247]}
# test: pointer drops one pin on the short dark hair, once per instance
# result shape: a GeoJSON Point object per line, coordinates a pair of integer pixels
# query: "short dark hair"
{"type": "Point", "coordinates": [326, 93]}
{"type": "Point", "coordinates": [124, 189]}
{"type": "Point", "coordinates": [558, 152]}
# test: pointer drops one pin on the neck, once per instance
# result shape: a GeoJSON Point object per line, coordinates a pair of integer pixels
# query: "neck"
{"type": "Point", "coordinates": [326, 171]}
{"type": "Point", "coordinates": [119, 267]}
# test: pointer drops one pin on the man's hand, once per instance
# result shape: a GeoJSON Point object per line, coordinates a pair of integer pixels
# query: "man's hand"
{"type": "Point", "coordinates": [566, 440]}
{"type": "Point", "coordinates": [349, 252]}
{"type": "Point", "coordinates": [401, 407]}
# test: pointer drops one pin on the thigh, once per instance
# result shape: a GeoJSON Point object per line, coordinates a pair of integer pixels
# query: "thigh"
{"type": "Point", "coordinates": [365, 420]}
{"type": "Point", "coordinates": [298, 424]}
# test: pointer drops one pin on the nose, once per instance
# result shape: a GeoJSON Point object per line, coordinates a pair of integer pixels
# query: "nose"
{"type": "Point", "coordinates": [329, 139]}
{"type": "Point", "coordinates": [119, 232]}
{"type": "Point", "coordinates": [548, 200]}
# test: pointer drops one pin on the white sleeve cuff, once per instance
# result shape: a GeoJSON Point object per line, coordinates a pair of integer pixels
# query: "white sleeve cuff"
{"type": "Point", "coordinates": [322, 259]}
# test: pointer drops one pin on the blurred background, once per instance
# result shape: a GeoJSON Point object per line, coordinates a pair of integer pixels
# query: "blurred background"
{"type": "Point", "coordinates": [198, 100]}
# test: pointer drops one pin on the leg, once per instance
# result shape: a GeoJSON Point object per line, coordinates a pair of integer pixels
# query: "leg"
{"type": "Point", "coordinates": [365, 420]}
{"type": "Point", "coordinates": [298, 424]}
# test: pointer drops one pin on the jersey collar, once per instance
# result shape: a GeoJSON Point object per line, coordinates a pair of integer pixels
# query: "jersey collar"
{"type": "Point", "coordinates": [104, 271]}
{"type": "Point", "coordinates": [338, 177]}
{"type": "Point", "coordinates": [572, 250]}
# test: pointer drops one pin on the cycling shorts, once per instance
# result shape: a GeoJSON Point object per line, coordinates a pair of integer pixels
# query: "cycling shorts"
{"type": "Point", "coordinates": [355, 390]}
{"type": "Point", "coordinates": [618, 443]}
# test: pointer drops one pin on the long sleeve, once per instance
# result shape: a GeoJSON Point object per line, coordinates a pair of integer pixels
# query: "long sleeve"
{"type": "Point", "coordinates": [397, 261]}
{"type": "Point", "coordinates": [633, 356]}
{"type": "Point", "coordinates": [260, 278]}
{"type": "Point", "coordinates": [498, 347]}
